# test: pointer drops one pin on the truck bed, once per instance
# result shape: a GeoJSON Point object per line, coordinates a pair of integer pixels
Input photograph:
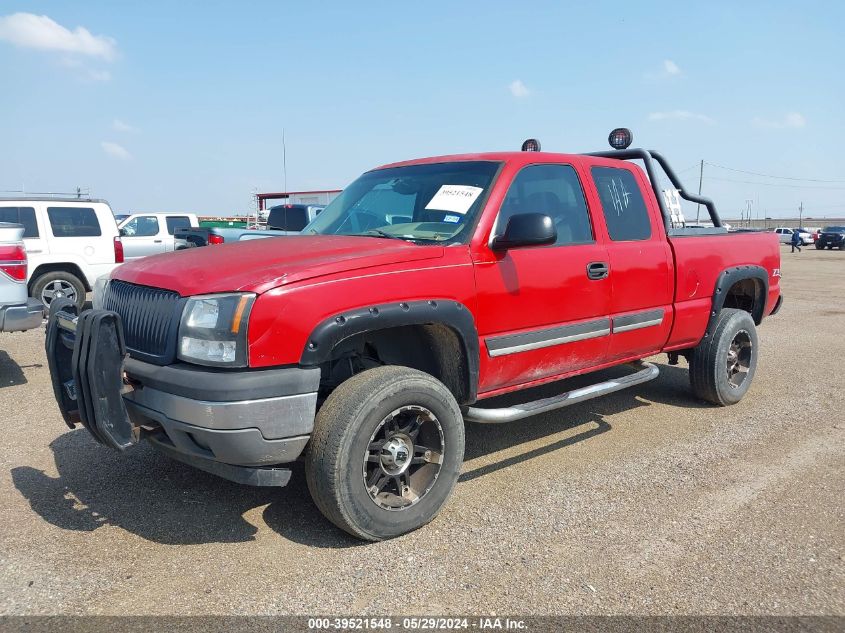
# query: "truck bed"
{"type": "Point", "coordinates": [700, 259]}
{"type": "Point", "coordinates": [198, 236]}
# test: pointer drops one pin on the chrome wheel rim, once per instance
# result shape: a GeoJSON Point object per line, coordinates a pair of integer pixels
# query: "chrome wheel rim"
{"type": "Point", "coordinates": [738, 361]}
{"type": "Point", "coordinates": [58, 288]}
{"type": "Point", "coordinates": [403, 458]}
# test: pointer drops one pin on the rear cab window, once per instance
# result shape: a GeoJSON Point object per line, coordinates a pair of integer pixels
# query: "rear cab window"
{"type": "Point", "coordinates": [177, 222]}
{"type": "Point", "coordinates": [625, 212]}
{"type": "Point", "coordinates": [21, 215]}
{"type": "Point", "coordinates": [73, 222]}
{"type": "Point", "coordinates": [291, 217]}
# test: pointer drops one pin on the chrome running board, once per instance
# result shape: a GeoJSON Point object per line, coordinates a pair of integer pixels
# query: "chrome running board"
{"type": "Point", "coordinates": [647, 372]}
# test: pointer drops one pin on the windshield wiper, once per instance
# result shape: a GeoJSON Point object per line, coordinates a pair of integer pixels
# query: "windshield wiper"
{"type": "Point", "coordinates": [380, 233]}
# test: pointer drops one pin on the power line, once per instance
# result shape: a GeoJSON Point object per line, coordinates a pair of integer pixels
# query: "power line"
{"type": "Point", "coordinates": [687, 169]}
{"type": "Point", "coordinates": [774, 184]}
{"type": "Point", "coordinates": [812, 208]}
{"type": "Point", "coordinates": [754, 173]}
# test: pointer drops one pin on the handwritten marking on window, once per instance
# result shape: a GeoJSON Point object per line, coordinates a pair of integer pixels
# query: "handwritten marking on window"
{"type": "Point", "coordinates": [619, 196]}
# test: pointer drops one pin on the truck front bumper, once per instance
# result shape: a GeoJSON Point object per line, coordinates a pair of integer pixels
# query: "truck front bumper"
{"type": "Point", "coordinates": [17, 318]}
{"type": "Point", "coordinates": [237, 424]}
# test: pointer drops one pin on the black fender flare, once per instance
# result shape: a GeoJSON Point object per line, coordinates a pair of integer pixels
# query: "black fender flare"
{"type": "Point", "coordinates": [727, 278]}
{"type": "Point", "coordinates": [453, 314]}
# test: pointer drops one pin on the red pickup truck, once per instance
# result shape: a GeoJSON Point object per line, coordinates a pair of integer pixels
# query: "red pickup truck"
{"type": "Point", "coordinates": [426, 288]}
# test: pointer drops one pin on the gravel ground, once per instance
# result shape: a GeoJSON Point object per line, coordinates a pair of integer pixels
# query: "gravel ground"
{"type": "Point", "coordinates": [643, 502]}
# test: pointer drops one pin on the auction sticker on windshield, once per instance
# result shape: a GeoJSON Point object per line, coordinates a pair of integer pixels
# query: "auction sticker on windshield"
{"type": "Point", "coordinates": [454, 198]}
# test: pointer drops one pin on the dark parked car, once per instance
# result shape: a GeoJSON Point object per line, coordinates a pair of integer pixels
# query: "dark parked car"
{"type": "Point", "coordinates": [292, 217]}
{"type": "Point", "coordinates": [831, 237]}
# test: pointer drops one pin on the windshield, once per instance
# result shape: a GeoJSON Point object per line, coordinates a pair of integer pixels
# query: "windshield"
{"type": "Point", "coordinates": [436, 202]}
{"type": "Point", "coordinates": [834, 229]}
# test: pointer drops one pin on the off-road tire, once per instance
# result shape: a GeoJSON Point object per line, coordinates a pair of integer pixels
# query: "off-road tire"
{"type": "Point", "coordinates": [709, 377]}
{"type": "Point", "coordinates": [64, 278]}
{"type": "Point", "coordinates": [345, 424]}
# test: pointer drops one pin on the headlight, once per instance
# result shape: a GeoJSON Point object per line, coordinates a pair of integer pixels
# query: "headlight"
{"type": "Point", "coordinates": [213, 330]}
{"type": "Point", "coordinates": [99, 290]}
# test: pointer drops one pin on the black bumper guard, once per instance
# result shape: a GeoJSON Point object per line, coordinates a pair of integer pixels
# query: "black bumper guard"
{"type": "Point", "coordinates": [85, 353]}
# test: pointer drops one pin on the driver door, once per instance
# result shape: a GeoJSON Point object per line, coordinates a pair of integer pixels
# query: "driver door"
{"type": "Point", "coordinates": [543, 310]}
{"type": "Point", "coordinates": [140, 237]}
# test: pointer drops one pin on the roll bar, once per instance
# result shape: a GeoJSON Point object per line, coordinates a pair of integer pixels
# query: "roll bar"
{"type": "Point", "coordinates": [648, 156]}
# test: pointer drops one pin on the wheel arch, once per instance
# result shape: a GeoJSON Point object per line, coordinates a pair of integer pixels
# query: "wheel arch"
{"type": "Point", "coordinates": [438, 326]}
{"type": "Point", "coordinates": [53, 267]}
{"type": "Point", "coordinates": [745, 287]}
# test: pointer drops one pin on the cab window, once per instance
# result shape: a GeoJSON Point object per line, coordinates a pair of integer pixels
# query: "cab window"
{"type": "Point", "coordinates": [555, 191]}
{"type": "Point", "coordinates": [141, 226]}
{"type": "Point", "coordinates": [288, 217]}
{"type": "Point", "coordinates": [177, 222]}
{"type": "Point", "coordinates": [625, 212]}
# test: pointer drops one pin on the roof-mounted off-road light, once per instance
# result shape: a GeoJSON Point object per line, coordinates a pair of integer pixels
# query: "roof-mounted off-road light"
{"type": "Point", "coordinates": [620, 138]}
{"type": "Point", "coordinates": [531, 145]}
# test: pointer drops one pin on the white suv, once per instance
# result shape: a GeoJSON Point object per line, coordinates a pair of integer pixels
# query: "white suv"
{"type": "Point", "coordinates": [69, 242]}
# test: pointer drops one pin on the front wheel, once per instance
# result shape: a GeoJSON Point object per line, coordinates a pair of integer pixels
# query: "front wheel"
{"type": "Point", "coordinates": [385, 453]}
{"type": "Point", "coordinates": [723, 365]}
{"type": "Point", "coordinates": [819, 247]}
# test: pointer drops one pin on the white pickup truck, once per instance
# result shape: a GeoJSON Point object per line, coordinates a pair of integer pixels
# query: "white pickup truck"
{"type": "Point", "coordinates": [785, 235]}
{"type": "Point", "coordinates": [145, 234]}
{"type": "Point", "coordinates": [17, 311]}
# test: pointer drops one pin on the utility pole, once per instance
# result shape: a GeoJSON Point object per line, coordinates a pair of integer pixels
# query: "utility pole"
{"type": "Point", "coordinates": [700, 180]}
{"type": "Point", "coordinates": [284, 160]}
{"type": "Point", "coordinates": [801, 216]}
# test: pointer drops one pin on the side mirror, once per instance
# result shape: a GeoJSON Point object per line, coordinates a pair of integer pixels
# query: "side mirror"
{"type": "Point", "coordinates": [122, 232]}
{"type": "Point", "coordinates": [526, 229]}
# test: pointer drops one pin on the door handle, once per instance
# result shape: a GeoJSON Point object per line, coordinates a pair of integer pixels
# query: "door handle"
{"type": "Point", "coordinates": [597, 270]}
{"type": "Point", "coordinates": [157, 241]}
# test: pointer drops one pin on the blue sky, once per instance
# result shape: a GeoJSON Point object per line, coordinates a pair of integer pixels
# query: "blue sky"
{"type": "Point", "coordinates": [181, 105]}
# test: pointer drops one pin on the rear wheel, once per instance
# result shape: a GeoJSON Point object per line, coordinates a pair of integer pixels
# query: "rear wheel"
{"type": "Point", "coordinates": [819, 246]}
{"type": "Point", "coordinates": [723, 365]}
{"type": "Point", "coordinates": [386, 452]}
{"type": "Point", "coordinates": [59, 283]}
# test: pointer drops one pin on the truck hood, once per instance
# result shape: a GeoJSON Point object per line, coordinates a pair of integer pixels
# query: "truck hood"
{"type": "Point", "coordinates": [261, 265]}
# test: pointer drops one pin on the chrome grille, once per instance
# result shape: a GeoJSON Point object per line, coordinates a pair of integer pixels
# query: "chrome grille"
{"type": "Point", "coordinates": [150, 319]}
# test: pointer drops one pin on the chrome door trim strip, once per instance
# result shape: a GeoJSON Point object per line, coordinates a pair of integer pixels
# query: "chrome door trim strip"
{"type": "Point", "coordinates": [547, 337]}
{"type": "Point", "coordinates": [638, 320]}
